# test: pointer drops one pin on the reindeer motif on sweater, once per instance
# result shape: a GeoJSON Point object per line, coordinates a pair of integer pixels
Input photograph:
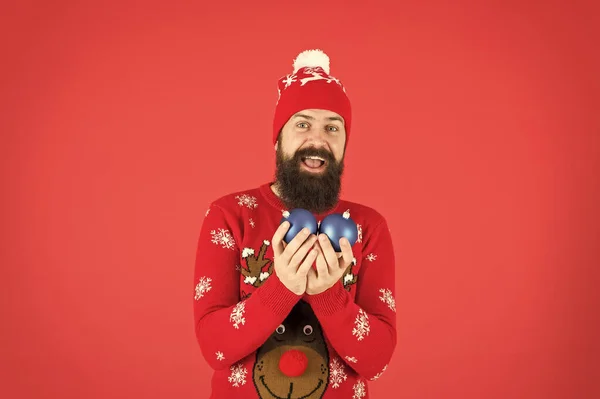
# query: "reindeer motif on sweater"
{"type": "Point", "coordinates": [253, 272]}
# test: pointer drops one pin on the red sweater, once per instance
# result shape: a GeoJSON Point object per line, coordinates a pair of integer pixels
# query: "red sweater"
{"type": "Point", "coordinates": [262, 340]}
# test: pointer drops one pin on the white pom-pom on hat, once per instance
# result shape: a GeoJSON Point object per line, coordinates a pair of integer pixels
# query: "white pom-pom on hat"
{"type": "Point", "coordinates": [312, 58]}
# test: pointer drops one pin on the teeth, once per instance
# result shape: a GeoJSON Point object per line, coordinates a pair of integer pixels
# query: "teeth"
{"type": "Point", "coordinates": [313, 157]}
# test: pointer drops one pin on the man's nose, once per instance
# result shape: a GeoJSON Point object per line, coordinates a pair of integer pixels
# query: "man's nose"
{"type": "Point", "coordinates": [318, 134]}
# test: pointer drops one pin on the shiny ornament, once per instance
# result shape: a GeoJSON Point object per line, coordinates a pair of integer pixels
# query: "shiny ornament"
{"type": "Point", "coordinates": [299, 218]}
{"type": "Point", "coordinates": [336, 226]}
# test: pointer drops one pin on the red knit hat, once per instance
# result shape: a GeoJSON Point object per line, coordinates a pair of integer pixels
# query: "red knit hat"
{"type": "Point", "coordinates": [310, 86]}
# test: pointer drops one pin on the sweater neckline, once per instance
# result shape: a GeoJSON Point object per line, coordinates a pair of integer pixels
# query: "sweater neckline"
{"type": "Point", "coordinates": [275, 201]}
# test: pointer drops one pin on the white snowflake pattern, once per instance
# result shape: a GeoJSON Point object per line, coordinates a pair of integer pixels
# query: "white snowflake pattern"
{"type": "Point", "coordinates": [336, 373]}
{"type": "Point", "coordinates": [251, 222]}
{"type": "Point", "coordinates": [246, 200]}
{"type": "Point", "coordinates": [220, 356]}
{"type": "Point", "coordinates": [238, 375]}
{"type": "Point", "coordinates": [379, 374]}
{"type": "Point", "coordinates": [359, 228]}
{"type": "Point", "coordinates": [202, 287]}
{"type": "Point", "coordinates": [237, 315]}
{"type": "Point", "coordinates": [359, 390]}
{"type": "Point", "coordinates": [351, 359]}
{"type": "Point", "coordinates": [224, 238]}
{"type": "Point", "coordinates": [361, 325]}
{"type": "Point", "coordinates": [371, 257]}
{"type": "Point", "coordinates": [388, 298]}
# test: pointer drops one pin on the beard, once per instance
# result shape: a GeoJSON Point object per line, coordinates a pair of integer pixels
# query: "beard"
{"type": "Point", "coordinates": [298, 188]}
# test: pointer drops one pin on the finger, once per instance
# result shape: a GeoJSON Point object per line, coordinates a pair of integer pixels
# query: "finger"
{"type": "Point", "coordinates": [347, 254]}
{"type": "Point", "coordinates": [300, 254]}
{"type": "Point", "coordinates": [322, 268]}
{"type": "Point", "coordinates": [277, 240]}
{"type": "Point", "coordinates": [305, 268]}
{"type": "Point", "coordinates": [328, 252]}
{"type": "Point", "coordinates": [311, 275]}
{"type": "Point", "coordinates": [292, 247]}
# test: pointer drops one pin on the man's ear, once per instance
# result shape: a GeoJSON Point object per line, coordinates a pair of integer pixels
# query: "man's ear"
{"type": "Point", "coordinates": [276, 143]}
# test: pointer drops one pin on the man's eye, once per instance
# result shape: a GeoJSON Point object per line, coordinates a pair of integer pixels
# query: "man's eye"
{"type": "Point", "coordinates": [333, 128]}
{"type": "Point", "coordinates": [302, 124]}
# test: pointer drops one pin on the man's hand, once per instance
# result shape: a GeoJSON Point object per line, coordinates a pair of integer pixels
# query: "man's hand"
{"type": "Point", "coordinates": [293, 261]}
{"type": "Point", "coordinates": [330, 265]}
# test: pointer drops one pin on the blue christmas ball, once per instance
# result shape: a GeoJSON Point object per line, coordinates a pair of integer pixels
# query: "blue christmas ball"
{"type": "Point", "coordinates": [299, 218]}
{"type": "Point", "coordinates": [336, 226]}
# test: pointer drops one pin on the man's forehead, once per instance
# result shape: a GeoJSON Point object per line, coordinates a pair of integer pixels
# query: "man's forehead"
{"type": "Point", "coordinates": [318, 114]}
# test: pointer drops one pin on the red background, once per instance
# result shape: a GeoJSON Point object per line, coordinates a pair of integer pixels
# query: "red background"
{"type": "Point", "coordinates": [476, 133]}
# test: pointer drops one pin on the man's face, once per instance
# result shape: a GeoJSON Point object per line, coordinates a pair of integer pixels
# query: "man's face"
{"type": "Point", "coordinates": [310, 160]}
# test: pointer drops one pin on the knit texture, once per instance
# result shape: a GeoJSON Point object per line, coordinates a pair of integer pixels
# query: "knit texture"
{"type": "Point", "coordinates": [262, 340]}
{"type": "Point", "coordinates": [310, 86]}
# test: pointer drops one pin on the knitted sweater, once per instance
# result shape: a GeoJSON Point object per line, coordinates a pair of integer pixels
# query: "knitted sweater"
{"type": "Point", "coordinates": [264, 341]}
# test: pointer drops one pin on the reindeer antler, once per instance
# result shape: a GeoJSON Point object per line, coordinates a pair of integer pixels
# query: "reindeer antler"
{"type": "Point", "coordinates": [254, 273]}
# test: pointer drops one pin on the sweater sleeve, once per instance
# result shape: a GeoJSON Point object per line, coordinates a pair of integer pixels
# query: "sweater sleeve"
{"type": "Point", "coordinates": [363, 332]}
{"type": "Point", "coordinates": [227, 328]}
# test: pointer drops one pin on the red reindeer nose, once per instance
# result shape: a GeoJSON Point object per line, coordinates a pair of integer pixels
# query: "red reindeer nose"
{"type": "Point", "coordinates": [293, 363]}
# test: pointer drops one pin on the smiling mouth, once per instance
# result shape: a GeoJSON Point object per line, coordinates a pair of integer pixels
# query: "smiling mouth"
{"type": "Point", "coordinates": [289, 395]}
{"type": "Point", "coordinates": [313, 163]}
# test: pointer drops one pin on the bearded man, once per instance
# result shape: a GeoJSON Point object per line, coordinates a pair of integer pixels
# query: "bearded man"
{"type": "Point", "coordinates": [297, 319]}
